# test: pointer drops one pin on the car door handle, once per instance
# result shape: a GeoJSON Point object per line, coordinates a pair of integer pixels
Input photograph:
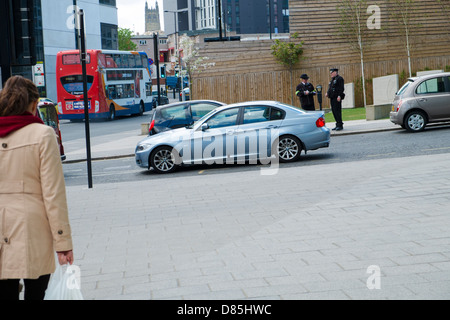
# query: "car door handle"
{"type": "Point", "coordinates": [422, 100]}
{"type": "Point", "coordinates": [230, 132]}
{"type": "Point", "coordinates": [271, 127]}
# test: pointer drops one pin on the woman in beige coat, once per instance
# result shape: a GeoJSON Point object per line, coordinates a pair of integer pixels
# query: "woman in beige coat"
{"type": "Point", "coordinates": [34, 219]}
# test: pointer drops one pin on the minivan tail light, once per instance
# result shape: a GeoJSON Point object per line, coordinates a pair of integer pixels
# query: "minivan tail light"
{"type": "Point", "coordinates": [320, 122]}
{"type": "Point", "coordinates": [152, 124]}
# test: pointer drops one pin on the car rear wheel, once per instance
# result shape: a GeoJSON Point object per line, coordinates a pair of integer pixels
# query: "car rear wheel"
{"type": "Point", "coordinates": [415, 121]}
{"type": "Point", "coordinates": [288, 148]}
{"type": "Point", "coordinates": [164, 160]}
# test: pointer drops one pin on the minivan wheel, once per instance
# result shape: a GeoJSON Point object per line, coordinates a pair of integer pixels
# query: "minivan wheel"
{"type": "Point", "coordinates": [164, 160]}
{"type": "Point", "coordinates": [415, 121]}
{"type": "Point", "coordinates": [287, 148]}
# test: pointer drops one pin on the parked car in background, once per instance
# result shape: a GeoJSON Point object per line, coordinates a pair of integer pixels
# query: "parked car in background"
{"type": "Point", "coordinates": [163, 99]}
{"type": "Point", "coordinates": [180, 114]}
{"type": "Point", "coordinates": [237, 132]}
{"type": "Point", "coordinates": [422, 100]}
{"type": "Point", "coordinates": [46, 110]}
{"type": "Point", "coordinates": [187, 95]}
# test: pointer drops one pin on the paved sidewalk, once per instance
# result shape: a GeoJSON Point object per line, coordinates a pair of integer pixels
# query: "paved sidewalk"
{"type": "Point", "coordinates": [123, 144]}
{"type": "Point", "coordinates": [380, 231]}
{"type": "Point", "coordinates": [364, 126]}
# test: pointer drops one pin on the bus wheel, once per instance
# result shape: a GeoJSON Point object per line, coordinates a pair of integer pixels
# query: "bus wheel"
{"type": "Point", "coordinates": [141, 109]}
{"type": "Point", "coordinates": [112, 113]}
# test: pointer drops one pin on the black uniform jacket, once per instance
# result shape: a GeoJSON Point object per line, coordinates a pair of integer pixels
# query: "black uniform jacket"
{"type": "Point", "coordinates": [336, 88]}
{"type": "Point", "coordinates": [307, 101]}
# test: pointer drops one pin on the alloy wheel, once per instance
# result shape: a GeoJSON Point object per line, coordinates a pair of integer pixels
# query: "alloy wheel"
{"type": "Point", "coordinates": [164, 160]}
{"type": "Point", "coordinates": [288, 149]}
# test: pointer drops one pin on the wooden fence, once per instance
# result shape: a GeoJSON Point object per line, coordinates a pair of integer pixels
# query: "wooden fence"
{"type": "Point", "coordinates": [246, 70]}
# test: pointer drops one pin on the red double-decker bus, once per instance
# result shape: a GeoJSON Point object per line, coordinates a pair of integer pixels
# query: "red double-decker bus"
{"type": "Point", "coordinates": [119, 83]}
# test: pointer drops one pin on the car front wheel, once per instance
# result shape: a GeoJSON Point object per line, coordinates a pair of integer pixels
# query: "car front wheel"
{"type": "Point", "coordinates": [415, 121]}
{"type": "Point", "coordinates": [164, 160]}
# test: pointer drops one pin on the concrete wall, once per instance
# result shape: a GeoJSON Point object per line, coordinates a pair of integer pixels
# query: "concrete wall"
{"type": "Point", "coordinates": [349, 101]}
{"type": "Point", "coordinates": [384, 89]}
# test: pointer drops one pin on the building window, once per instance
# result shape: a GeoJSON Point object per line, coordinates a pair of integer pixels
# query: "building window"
{"type": "Point", "coordinates": [109, 36]}
{"type": "Point", "coordinates": [108, 2]}
{"type": "Point", "coordinates": [142, 42]}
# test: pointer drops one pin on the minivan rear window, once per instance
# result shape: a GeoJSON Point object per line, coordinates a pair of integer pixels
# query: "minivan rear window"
{"type": "Point", "coordinates": [403, 88]}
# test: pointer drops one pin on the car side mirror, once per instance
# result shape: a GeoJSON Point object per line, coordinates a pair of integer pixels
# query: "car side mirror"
{"type": "Point", "coordinates": [205, 126]}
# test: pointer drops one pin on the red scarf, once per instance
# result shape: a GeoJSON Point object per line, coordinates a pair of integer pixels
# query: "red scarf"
{"type": "Point", "coordinates": [12, 123]}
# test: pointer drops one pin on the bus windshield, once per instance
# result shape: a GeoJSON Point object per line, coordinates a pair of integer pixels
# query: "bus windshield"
{"type": "Point", "coordinates": [74, 84]}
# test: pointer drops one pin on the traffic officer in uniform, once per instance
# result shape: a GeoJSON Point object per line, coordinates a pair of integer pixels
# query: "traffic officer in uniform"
{"type": "Point", "coordinates": [305, 91]}
{"type": "Point", "coordinates": [336, 94]}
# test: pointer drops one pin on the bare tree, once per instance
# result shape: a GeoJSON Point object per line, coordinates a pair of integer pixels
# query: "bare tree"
{"type": "Point", "coordinates": [403, 12]}
{"type": "Point", "coordinates": [353, 27]}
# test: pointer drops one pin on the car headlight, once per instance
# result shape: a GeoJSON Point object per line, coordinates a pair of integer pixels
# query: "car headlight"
{"type": "Point", "coordinates": [143, 147]}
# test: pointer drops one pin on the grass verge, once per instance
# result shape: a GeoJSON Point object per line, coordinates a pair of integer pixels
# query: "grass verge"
{"type": "Point", "coordinates": [347, 114]}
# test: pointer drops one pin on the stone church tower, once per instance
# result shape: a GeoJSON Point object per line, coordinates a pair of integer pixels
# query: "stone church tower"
{"type": "Point", "coordinates": [152, 23]}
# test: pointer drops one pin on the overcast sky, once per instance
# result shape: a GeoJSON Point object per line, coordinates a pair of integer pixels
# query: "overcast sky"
{"type": "Point", "coordinates": [131, 14]}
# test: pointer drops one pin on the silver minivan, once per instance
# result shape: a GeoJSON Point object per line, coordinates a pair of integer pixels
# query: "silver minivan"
{"type": "Point", "coordinates": [422, 100]}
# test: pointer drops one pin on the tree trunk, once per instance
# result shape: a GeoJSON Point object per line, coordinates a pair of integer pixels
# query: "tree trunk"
{"type": "Point", "coordinates": [361, 51]}
{"type": "Point", "coordinates": [408, 49]}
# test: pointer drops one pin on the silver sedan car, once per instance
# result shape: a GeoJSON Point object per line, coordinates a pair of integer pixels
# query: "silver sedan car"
{"type": "Point", "coordinates": [249, 132]}
{"type": "Point", "coordinates": [422, 100]}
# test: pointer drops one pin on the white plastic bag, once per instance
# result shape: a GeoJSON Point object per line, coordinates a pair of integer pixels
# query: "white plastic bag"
{"type": "Point", "coordinates": [64, 284]}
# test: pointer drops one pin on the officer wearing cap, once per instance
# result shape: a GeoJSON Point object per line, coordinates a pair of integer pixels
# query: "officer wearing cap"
{"type": "Point", "coordinates": [336, 94]}
{"type": "Point", "coordinates": [305, 91]}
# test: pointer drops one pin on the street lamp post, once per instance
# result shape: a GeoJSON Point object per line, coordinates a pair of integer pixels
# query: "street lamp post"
{"type": "Point", "coordinates": [176, 42]}
{"type": "Point", "coordinates": [176, 47]}
{"type": "Point", "coordinates": [175, 22]}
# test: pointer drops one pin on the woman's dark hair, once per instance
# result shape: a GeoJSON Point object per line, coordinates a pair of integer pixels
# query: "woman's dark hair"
{"type": "Point", "coordinates": [16, 96]}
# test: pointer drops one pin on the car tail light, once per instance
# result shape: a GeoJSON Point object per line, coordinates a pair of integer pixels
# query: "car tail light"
{"type": "Point", "coordinates": [152, 124]}
{"type": "Point", "coordinates": [320, 122]}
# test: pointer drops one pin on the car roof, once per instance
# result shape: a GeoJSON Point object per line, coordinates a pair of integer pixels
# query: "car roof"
{"type": "Point", "coordinates": [431, 75]}
{"type": "Point", "coordinates": [257, 103]}
{"type": "Point", "coordinates": [174, 104]}
{"type": "Point", "coordinates": [271, 103]}
{"type": "Point", "coordinates": [45, 101]}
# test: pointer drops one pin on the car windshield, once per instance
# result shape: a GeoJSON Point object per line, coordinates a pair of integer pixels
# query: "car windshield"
{"type": "Point", "coordinates": [402, 89]}
{"type": "Point", "coordinates": [200, 120]}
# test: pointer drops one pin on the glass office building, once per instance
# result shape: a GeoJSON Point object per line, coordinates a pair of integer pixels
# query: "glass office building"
{"type": "Point", "coordinates": [54, 31]}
